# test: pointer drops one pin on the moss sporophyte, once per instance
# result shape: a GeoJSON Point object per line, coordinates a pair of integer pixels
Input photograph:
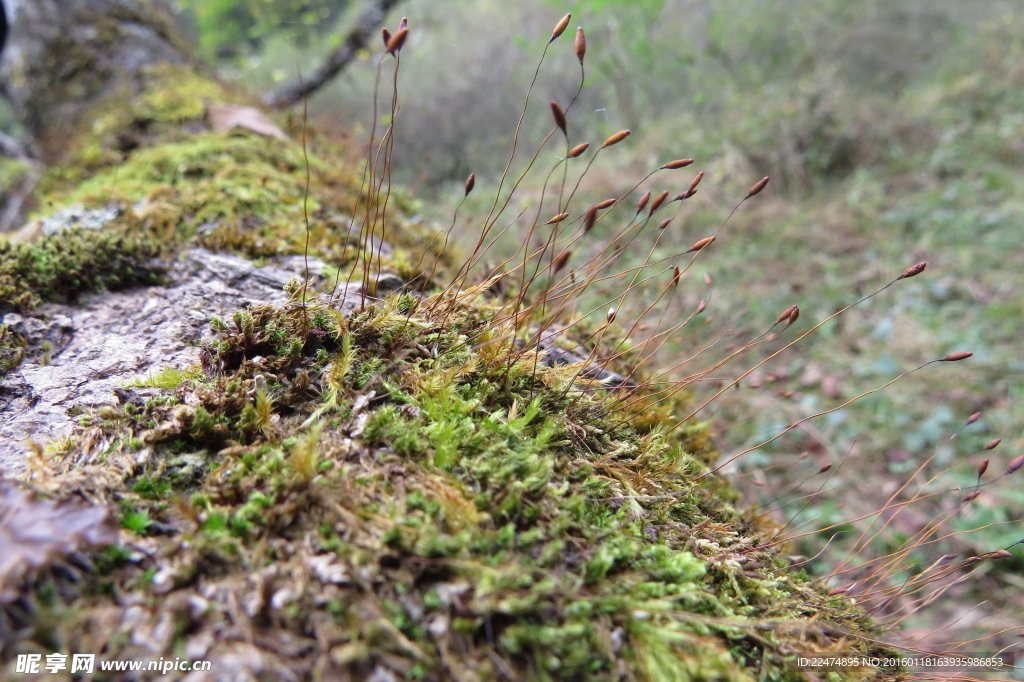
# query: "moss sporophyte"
{"type": "Point", "coordinates": [480, 475]}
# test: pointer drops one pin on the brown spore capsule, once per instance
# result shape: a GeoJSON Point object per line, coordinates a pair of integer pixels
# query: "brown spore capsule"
{"type": "Point", "coordinates": [397, 40]}
{"type": "Point", "coordinates": [785, 314]}
{"type": "Point", "coordinates": [913, 270]}
{"type": "Point", "coordinates": [643, 201]}
{"type": "Point", "coordinates": [560, 260]}
{"type": "Point", "coordinates": [696, 181]}
{"type": "Point", "coordinates": [581, 44]}
{"type": "Point", "coordinates": [589, 219]}
{"type": "Point", "coordinates": [560, 28]}
{"type": "Point", "coordinates": [616, 138]}
{"type": "Point", "coordinates": [658, 201]}
{"type": "Point", "coordinates": [700, 244]}
{"type": "Point", "coordinates": [1015, 463]}
{"type": "Point", "coordinates": [577, 150]}
{"type": "Point", "coordinates": [758, 186]}
{"type": "Point", "coordinates": [559, 116]}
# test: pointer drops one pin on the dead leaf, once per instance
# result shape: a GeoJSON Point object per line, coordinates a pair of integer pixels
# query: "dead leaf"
{"type": "Point", "coordinates": [36, 532]}
{"type": "Point", "coordinates": [226, 117]}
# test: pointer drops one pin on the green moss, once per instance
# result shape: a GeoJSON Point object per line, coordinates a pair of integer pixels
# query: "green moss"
{"type": "Point", "coordinates": [166, 104]}
{"type": "Point", "coordinates": [148, 160]}
{"type": "Point", "coordinates": [60, 267]}
{"type": "Point", "coordinates": [136, 521]}
{"type": "Point", "coordinates": [12, 349]}
{"type": "Point", "coordinates": [398, 487]}
{"type": "Point", "coordinates": [169, 377]}
{"type": "Point", "coordinates": [506, 511]}
{"type": "Point", "coordinates": [12, 174]}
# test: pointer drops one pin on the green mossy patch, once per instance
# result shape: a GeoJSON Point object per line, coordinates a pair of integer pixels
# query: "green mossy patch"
{"type": "Point", "coordinates": [12, 173]}
{"type": "Point", "coordinates": [393, 490]}
{"type": "Point", "coordinates": [171, 182]}
{"type": "Point", "coordinates": [167, 103]}
{"type": "Point", "coordinates": [59, 267]}
{"type": "Point", "coordinates": [399, 490]}
{"type": "Point", "coordinates": [12, 349]}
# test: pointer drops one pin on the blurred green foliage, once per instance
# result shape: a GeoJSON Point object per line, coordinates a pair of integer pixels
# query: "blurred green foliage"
{"type": "Point", "coordinates": [230, 29]}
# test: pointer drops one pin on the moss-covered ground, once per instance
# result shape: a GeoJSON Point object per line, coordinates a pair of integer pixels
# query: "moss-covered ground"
{"type": "Point", "coordinates": [401, 490]}
{"type": "Point", "coordinates": [169, 180]}
{"type": "Point", "coordinates": [388, 490]}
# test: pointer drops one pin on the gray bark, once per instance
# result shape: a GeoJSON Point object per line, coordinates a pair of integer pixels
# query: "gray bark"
{"type": "Point", "coordinates": [63, 55]}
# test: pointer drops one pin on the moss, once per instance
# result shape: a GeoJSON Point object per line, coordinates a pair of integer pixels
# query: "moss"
{"type": "Point", "coordinates": [167, 103]}
{"type": "Point", "coordinates": [500, 514]}
{"type": "Point", "coordinates": [59, 267]}
{"type": "Point", "coordinates": [12, 174]}
{"type": "Point", "coordinates": [169, 377]}
{"type": "Point", "coordinates": [399, 489]}
{"type": "Point", "coordinates": [147, 161]}
{"type": "Point", "coordinates": [12, 349]}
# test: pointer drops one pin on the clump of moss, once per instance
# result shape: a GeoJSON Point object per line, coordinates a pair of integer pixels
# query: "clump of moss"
{"type": "Point", "coordinates": [400, 492]}
{"type": "Point", "coordinates": [150, 160]}
{"type": "Point", "coordinates": [12, 349]}
{"type": "Point", "coordinates": [392, 490]}
{"type": "Point", "coordinates": [59, 267]}
{"type": "Point", "coordinates": [166, 103]}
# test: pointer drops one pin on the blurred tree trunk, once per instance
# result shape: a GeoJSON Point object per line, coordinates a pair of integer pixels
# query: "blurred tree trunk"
{"type": "Point", "coordinates": [358, 39]}
{"type": "Point", "coordinates": [63, 55]}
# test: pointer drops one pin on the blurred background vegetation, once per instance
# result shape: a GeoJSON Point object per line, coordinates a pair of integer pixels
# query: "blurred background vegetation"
{"type": "Point", "coordinates": [893, 131]}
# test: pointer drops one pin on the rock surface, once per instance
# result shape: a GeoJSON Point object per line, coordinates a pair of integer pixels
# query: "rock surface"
{"type": "Point", "coordinates": [79, 354]}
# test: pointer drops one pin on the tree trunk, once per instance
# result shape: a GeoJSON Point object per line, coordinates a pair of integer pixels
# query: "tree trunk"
{"type": "Point", "coordinates": [62, 56]}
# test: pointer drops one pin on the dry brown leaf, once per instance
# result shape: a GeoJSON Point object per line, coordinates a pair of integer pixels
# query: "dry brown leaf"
{"type": "Point", "coordinates": [36, 531]}
{"type": "Point", "coordinates": [227, 117]}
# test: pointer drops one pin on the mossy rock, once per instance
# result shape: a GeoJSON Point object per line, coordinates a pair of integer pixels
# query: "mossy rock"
{"type": "Point", "coordinates": [393, 491]}
{"type": "Point", "coordinates": [164, 180]}
{"type": "Point", "coordinates": [403, 492]}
